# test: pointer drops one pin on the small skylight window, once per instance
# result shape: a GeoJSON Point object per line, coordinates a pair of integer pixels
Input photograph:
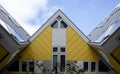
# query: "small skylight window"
{"type": "Point", "coordinates": [59, 18]}
{"type": "Point", "coordinates": [55, 24]}
{"type": "Point", "coordinates": [63, 24]}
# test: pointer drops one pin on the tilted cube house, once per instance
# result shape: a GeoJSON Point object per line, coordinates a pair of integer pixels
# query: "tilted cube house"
{"type": "Point", "coordinates": [59, 47]}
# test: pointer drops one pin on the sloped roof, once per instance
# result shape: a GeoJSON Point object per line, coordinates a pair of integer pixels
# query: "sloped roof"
{"type": "Point", "coordinates": [50, 21]}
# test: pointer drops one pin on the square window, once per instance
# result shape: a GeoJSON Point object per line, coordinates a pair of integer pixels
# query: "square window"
{"type": "Point", "coordinates": [55, 49]}
{"type": "Point", "coordinates": [62, 49]}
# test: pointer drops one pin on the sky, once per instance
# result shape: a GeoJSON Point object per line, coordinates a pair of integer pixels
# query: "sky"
{"type": "Point", "coordinates": [85, 14]}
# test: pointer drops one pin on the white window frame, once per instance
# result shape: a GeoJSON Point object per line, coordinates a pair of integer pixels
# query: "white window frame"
{"type": "Point", "coordinates": [59, 24]}
{"type": "Point", "coordinates": [27, 67]}
{"type": "Point", "coordinates": [58, 53]}
{"type": "Point", "coordinates": [90, 64]}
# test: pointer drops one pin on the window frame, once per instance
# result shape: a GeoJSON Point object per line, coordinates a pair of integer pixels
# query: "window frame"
{"type": "Point", "coordinates": [59, 24]}
{"type": "Point", "coordinates": [54, 23]}
{"type": "Point", "coordinates": [59, 54]}
{"type": "Point", "coordinates": [27, 68]}
{"type": "Point", "coordinates": [93, 66]}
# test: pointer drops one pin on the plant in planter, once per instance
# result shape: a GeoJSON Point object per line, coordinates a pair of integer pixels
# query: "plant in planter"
{"type": "Point", "coordinates": [73, 68]}
{"type": "Point", "coordinates": [44, 69]}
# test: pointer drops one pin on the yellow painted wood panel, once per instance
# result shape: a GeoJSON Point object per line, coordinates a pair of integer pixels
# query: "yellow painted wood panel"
{"type": "Point", "coordinates": [3, 52]}
{"type": "Point", "coordinates": [40, 48]}
{"type": "Point", "coordinates": [116, 53]}
{"type": "Point", "coordinates": [4, 62]}
{"type": "Point", "coordinates": [114, 64]}
{"type": "Point", "coordinates": [77, 48]}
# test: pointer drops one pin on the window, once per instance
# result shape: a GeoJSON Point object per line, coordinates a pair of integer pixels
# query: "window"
{"type": "Point", "coordinates": [109, 31]}
{"type": "Point", "coordinates": [63, 24]}
{"type": "Point", "coordinates": [103, 67]}
{"type": "Point", "coordinates": [86, 66]}
{"type": "Point", "coordinates": [62, 67]}
{"type": "Point", "coordinates": [28, 66]}
{"type": "Point", "coordinates": [55, 49]}
{"type": "Point", "coordinates": [55, 24]}
{"type": "Point", "coordinates": [59, 23]}
{"type": "Point", "coordinates": [62, 49]}
{"type": "Point", "coordinates": [59, 59]}
{"type": "Point", "coordinates": [24, 65]}
{"type": "Point", "coordinates": [93, 64]}
{"type": "Point", "coordinates": [55, 63]}
{"type": "Point", "coordinates": [31, 66]}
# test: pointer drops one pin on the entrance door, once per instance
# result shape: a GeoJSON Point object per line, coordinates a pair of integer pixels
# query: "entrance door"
{"type": "Point", "coordinates": [59, 59]}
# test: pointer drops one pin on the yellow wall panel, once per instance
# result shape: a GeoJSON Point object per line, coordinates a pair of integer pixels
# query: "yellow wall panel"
{"type": "Point", "coordinates": [4, 57]}
{"type": "Point", "coordinates": [77, 48]}
{"type": "Point", "coordinates": [3, 52]}
{"type": "Point", "coordinates": [4, 62]}
{"type": "Point", "coordinates": [116, 56]}
{"type": "Point", "coordinates": [40, 48]}
{"type": "Point", "coordinates": [114, 64]}
{"type": "Point", "coordinates": [116, 53]}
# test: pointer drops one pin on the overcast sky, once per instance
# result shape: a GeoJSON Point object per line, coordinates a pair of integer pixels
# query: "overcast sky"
{"type": "Point", "coordinates": [85, 14]}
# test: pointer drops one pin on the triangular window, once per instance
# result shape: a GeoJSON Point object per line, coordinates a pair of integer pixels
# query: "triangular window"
{"type": "Point", "coordinates": [59, 24]}
{"type": "Point", "coordinates": [55, 24]}
{"type": "Point", "coordinates": [63, 24]}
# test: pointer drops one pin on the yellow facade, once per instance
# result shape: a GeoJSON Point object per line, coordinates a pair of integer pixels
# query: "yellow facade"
{"type": "Point", "coordinates": [3, 53]}
{"type": "Point", "coordinates": [39, 48]}
{"type": "Point", "coordinates": [116, 55]}
{"type": "Point", "coordinates": [77, 48]}
{"type": "Point", "coordinates": [4, 62]}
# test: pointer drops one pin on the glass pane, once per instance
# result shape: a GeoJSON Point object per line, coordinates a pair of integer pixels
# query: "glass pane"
{"type": "Point", "coordinates": [55, 63]}
{"type": "Point", "coordinates": [93, 66]}
{"type": "Point", "coordinates": [55, 25]}
{"type": "Point", "coordinates": [24, 65]}
{"type": "Point", "coordinates": [113, 27]}
{"type": "Point", "coordinates": [109, 31]}
{"type": "Point", "coordinates": [17, 36]}
{"type": "Point", "coordinates": [102, 67]}
{"type": "Point", "coordinates": [4, 25]}
{"type": "Point", "coordinates": [62, 67]}
{"type": "Point", "coordinates": [55, 49]}
{"type": "Point", "coordinates": [31, 66]}
{"type": "Point", "coordinates": [10, 30]}
{"type": "Point", "coordinates": [63, 24]}
{"type": "Point", "coordinates": [62, 49]}
{"type": "Point", "coordinates": [85, 66]}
